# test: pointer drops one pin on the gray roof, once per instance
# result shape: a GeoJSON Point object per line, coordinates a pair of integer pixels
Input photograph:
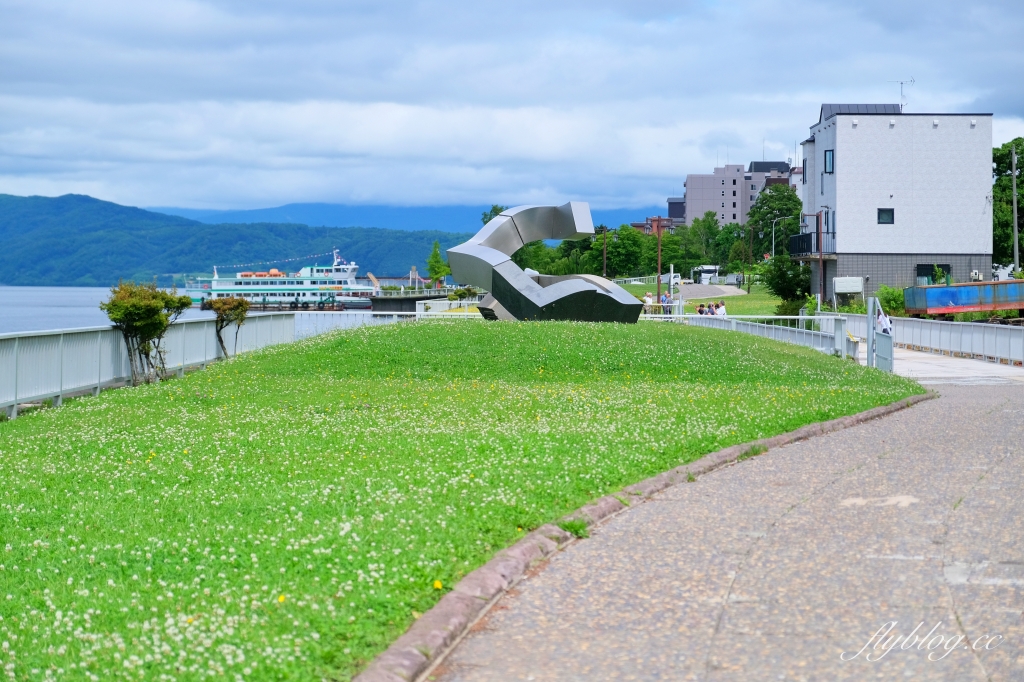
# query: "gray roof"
{"type": "Point", "coordinates": [768, 167]}
{"type": "Point", "coordinates": [830, 110]}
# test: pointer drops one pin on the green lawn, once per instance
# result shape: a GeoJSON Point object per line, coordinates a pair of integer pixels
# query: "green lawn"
{"type": "Point", "coordinates": [289, 513]}
{"type": "Point", "coordinates": [758, 302]}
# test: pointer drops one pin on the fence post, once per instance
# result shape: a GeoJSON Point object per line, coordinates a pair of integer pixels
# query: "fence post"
{"type": "Point", "coordinates": [99, 363]}
{"type": "Point", "coordinates": [60, 395]}
{"type": "Point", "coordinates": [12, 411]}
{"type": "Point", "coordinates": [871, 332]}
{"type": "Point", "coordinates": [839, 335]}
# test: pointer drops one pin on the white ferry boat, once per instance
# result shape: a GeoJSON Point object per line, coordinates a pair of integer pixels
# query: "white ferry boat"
{"type": "Point", "coordinates": [318, 287]}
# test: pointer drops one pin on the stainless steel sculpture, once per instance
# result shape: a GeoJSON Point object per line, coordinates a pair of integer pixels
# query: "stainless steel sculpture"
{"type": "Point", "coordinates": [485, 261]}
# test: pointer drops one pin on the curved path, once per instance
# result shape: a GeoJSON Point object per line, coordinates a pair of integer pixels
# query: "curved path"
{"type": "Point", "coordinates": [772, 568]}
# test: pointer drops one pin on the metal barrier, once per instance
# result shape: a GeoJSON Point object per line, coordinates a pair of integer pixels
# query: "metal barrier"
{"type": "Point", "coordinates": [993, 342]}
{"type": "Point", "coordinates": [826, 334]}
{"type": "Point", "coordinates": [311, 324]}
{"type": "Point", "coordinates": [51, 364]}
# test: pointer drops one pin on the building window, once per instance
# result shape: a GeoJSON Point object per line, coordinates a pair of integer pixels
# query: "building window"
{"type": "Point", "coordinates": [734, 192]}
{"type": "Point", "coordinates": [734, 181]}
{"type": "Point", "coordinates": [723, 192]}
{"type": "Point", "coordinates": [830, 161]}
{"type": "Point", "coordinates": [734, 216]}
{"type": "Point", "coordinates": [886, 216]}
{"type": "Point", "coordinates": [723, 216]}
{"type": "Point", "coordinates": [751, 197]}
{"type": "Point", "coordinates": [734, 204]}
{"type": "Point", "coordinates": [803, 176]}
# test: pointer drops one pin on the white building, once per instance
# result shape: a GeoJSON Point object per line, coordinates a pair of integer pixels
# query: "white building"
{"type": "Point", "coordinates": [895, 194]}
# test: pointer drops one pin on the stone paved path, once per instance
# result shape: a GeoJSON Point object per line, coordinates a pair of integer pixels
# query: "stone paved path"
{"type": "Point", "coordinates": [772, 568]}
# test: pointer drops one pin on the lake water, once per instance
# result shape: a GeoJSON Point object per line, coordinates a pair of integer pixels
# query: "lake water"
{"type": "Point", "coordinates": [25, 309]}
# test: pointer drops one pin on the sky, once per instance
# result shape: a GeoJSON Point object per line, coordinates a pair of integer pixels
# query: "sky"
{"type": "Point", "coordinates": [240, 104]}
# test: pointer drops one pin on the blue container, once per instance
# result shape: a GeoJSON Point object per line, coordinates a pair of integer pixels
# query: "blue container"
{"type": "Point", "coordinates": [947, 299]}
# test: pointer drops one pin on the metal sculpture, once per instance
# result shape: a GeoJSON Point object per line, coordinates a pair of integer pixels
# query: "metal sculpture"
{"type": "Point", "coordinates": [485, 261]}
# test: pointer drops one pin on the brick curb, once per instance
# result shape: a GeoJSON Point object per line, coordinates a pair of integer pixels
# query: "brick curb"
{"type": "Point", "coordinates": [438, 629]}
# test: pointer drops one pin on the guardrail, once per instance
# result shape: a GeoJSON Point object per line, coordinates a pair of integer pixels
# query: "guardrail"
{"type": "Point", "coordinates": [826, 334]}
{"type": "Point", "coordinates": [45, 365]}
{"type": "Point", "coordinates": [992, 342]}
{"type": "Point", "coordinates": [311, 324]}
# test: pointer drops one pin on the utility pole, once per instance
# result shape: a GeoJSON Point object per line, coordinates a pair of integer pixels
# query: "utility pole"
{"type": "Point", "coordinates": [1013, 165]}
{"type": "Point", "coordinates": [750, 229]}
{"type": "Point", "coordinates": [658, 223]}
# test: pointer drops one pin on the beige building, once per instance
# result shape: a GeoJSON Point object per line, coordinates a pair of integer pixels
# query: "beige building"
{"type": "Point", "coordinates": [728, 192]}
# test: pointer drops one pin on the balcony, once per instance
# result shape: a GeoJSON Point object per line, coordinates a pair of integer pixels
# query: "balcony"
{"type": "Point", "coordinates": [807, 244]}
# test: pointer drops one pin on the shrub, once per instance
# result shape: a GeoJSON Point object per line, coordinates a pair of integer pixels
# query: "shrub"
{"type": "Point", "coordinates": [789, 308]}
{"type": "Point", "coordinates": [229, 311]}
{"type": "Point", "coordinates": [892, 300]}
{"type": "Point", "coordinates": [787, 279]}
{"type": "Point", "coordinates": [142, 313]}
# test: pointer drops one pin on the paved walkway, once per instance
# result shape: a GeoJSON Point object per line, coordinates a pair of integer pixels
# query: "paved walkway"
{"type": "Point", "coordinates": [772, 568]}
{"type": "Point", "coordinates": [931, 368]}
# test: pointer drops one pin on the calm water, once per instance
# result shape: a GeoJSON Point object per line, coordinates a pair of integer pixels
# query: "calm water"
{"type": "Point", "coordinates": [25, 309]}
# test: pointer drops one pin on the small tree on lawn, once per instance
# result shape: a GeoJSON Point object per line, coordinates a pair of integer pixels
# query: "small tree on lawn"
{"type": "Point", "coordinates": [174, 305]}
{"type": "Point", "coordinates": [229, 311]}
{"type": "Point", "coordinates": [142, 313]}
{"type": "Point", "coordinates": [436, 267]}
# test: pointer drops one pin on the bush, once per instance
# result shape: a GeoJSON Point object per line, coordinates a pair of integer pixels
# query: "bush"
{"type": "Point", "coordinates": [789, 308]}
{"type": "Point", "coordinates": [142, 313]}
{"type": "Point", "coordinates": [892, 300]}
{"type": "Point", "coordinates": [787, 279]}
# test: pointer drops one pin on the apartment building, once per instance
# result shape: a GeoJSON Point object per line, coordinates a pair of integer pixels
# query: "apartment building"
{"type": "Point", "coordinates": [889, 195]}
{"type": "Point", "coordinates": [728, 192]}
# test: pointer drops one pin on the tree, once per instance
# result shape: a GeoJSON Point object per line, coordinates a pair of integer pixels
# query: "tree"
{"type": "Point", "coordinates": [488, 216]}
{"type": "Point", "coordinates": [1002, 201]}
{"type": "Point", "coordinates": [624, 252]}
{"type": "Point", "coordinates": [229, 310]}
{"type": "Point", "coordinates": [174, 307]}
{"type": "Point", "coordinates": [437, 268]}
{"type": "Point", "coordinates": [142, 313]}
{"type": "Point", "coordinates": [777, 202]}
{"type": "Point", "coordinates": [724, 240]}
{"type": "Point", "coordinates": [786, 278]}
{"type": "Point", "coordinates": [702, 235]}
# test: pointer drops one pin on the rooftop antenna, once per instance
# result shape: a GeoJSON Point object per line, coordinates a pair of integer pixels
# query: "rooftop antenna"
{"type": "Point", "coordinates": [903, 100]}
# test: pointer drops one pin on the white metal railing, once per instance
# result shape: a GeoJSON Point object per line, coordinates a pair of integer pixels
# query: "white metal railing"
{"type": "Point", "coordinates": [50, 364]}
{"type": "Point", "coordinates": [650, 279]}
{"type": "Point", "coordinates": [311, 324]}
{"type": "Point", "coordinates": [825, 334]}
{"type": "Point", "coordinates": [444, 305]}
{"type": "Point", "coordinates": [40, 365]}
{"type": "Point", "coordinates": [994, 342]}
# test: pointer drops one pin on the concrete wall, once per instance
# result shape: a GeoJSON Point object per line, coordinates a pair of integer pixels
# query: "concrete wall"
{"type": "Point", "coordinates": [896, 270]}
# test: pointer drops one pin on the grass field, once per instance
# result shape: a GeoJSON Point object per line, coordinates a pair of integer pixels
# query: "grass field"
{"type": "Point", "coordinates": [289, 513]}
{"type": "Point", "coordinates": [758, 302]}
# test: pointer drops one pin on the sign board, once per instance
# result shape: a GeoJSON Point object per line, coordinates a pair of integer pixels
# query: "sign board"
{"type": "Point", "coordinates": [848, 285]}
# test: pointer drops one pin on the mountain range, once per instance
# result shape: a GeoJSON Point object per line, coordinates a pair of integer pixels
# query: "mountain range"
{"type": "Point", "coordinates": [442, 218]}
{"type": "Point", "coordinates": [76, 240]}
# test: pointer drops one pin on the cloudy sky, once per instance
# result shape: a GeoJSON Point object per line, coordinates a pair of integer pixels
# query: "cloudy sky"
{"type": "Point", "coordinates": [252, 103]}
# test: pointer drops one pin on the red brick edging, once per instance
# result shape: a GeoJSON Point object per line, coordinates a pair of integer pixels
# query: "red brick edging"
{"type": "Point", "coordinates": [441, 627]}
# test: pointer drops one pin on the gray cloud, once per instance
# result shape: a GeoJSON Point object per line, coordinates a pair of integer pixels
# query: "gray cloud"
{"type": "Point", "coordinates": [244, 104]}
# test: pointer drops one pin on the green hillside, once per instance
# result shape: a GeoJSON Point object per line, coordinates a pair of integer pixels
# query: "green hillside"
{"type": "Point", "coordinates": [77, 240]}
